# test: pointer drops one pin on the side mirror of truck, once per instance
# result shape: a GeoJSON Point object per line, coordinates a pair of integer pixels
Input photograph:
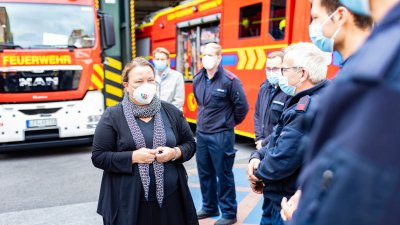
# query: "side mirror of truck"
{"type": "Point", "coordinates": [107, 30]}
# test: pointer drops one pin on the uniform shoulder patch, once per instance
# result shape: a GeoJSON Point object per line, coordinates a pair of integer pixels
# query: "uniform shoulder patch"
{"type": "Point", "coordinates": [230, 76]}
{"type": "Point", "coordinates": [303, 103]}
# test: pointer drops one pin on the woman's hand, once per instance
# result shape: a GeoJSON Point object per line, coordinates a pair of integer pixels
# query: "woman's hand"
{"type": "Point", "coordinates": [144, 155]}
{"type": "Point", "coordinates": [165, 154]}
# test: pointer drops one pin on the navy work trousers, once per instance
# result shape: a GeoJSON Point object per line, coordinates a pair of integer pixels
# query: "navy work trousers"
{"type": "Point", "coordinates": [267, 206]}
{"type": "Point", "coordinates": [215, 155]}
{"type": "Point", "coordinates": [276, 217]}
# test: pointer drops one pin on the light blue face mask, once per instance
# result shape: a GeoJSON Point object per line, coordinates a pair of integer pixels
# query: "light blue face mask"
{"type": "Point", "coordinates": [286, 87]}
{"type": "Point", "coordinates": [273, 78]}
{"type": "Point", "coordinates": [357, 6]}
{"type": "Point", "coordinates": [318, 38]}
{"type": "Point", "coordinates": [160, 65]}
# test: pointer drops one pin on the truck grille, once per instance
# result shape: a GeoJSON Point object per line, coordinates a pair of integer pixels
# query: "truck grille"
{"type": "Point", "coordinates": [39, 81]}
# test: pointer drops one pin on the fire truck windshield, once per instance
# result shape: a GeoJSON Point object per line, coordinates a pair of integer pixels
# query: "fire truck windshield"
{"type": "Point", "coordinates": [27, 25]}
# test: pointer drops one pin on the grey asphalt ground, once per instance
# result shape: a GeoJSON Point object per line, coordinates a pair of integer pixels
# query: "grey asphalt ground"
{"type": "Point", "coordinates": [60, 186]}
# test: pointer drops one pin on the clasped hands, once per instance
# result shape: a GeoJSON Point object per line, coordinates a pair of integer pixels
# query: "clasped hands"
{"type": "Point", "coordinates": [146, 155]}
{"type": "Point", "coordinates": [256, 184]}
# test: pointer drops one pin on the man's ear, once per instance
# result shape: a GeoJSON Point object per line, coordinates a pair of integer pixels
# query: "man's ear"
{"type": "Point", "coordinates": [342, 15]}
{"type": "Point", "coordinates": [304, 75]}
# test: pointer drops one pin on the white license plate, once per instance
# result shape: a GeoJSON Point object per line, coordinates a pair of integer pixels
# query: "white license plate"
{"type": "Point", "coordinates": [52, 122]}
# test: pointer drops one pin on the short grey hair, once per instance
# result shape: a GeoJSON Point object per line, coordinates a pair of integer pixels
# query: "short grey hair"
{"type": "Point", "coordinates": [310, 58]}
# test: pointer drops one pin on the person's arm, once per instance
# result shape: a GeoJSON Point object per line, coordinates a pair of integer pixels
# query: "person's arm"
{"type": "Point", "coordinates": [282, 159]}
{"type": "Point", "coordinates": [238, 97]}
{"type": "Point", "coordinates": [194, 86]}
{"type": "Point", "coordinates": [274, 116]}
{"type": "Point", "coordinates": [265, 141]}
{"type": "Point", "coordinates": [179, 97]}
{"type": "Point", "coordinates": [257, 125]}
{"type": "Point", "coordinates": [185, 149]}
{"type": "Point", "coordinates": [259, 154]}
{"type": "Point", "coordinates": [104, 150]}
{"type": "Point", "coordinates": [187, 146]}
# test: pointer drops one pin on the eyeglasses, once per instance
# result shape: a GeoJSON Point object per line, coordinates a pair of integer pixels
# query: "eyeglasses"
{"type": "Point", "coordinates": [285, 69]}
{"type": "Point", "coordinates": [273, 69]}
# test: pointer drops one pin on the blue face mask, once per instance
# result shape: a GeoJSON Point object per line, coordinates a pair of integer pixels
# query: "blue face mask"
{"type": "Point", "coordinates": [317, 37]}
{"type": "Point", "coordinates": [273, 78]}
{"type": "Point", "coordinates": [361, 7]}
{"type": "Point", "coordinates": [160, 65]}
{"type": "Point", "coordinates": [286, 87]}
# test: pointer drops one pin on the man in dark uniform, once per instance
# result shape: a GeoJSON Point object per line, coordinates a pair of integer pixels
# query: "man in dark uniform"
{"type": "Point", "coordinates": [354, 143]}
{"type": "Point", "coordinates": [352, 30]}
{"type": "Point", "coordinates": [222, 105]}
{"type": "Point", "coordinates": [304, 71]}
{"type": "Point", "coordinates": [270, 101]}
{"type": "Point", "coordinates": [269, 106]}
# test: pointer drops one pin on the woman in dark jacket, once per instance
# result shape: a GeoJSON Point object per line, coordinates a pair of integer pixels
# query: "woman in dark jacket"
{"type": "Point", "coordinates": [141, 144]}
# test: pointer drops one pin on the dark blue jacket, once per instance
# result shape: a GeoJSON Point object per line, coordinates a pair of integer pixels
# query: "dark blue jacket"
{"type": "Point", "coordinates": [223, 105]}
{"type": "Point", "coordinates": [355, 175]}
{"type": "Point", "coordinates": [268, 110]}
{"type": "Point", "coordinates": [282, 158]}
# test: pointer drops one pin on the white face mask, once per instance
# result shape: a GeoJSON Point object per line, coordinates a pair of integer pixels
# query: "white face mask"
{"type": "Point", "coordinates": [208, 62]}
{"type": "Point", "coordinates": [145, 93]}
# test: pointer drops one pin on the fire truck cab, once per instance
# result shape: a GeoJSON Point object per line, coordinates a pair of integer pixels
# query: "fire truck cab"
{"type": "Point", "coordinates": [51, 73]}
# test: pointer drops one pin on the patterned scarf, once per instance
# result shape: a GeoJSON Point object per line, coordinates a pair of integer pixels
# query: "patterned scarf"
{"type": "Point", "coordinates": [159, 139]}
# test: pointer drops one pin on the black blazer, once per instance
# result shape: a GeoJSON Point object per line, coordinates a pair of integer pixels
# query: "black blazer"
{"type": "Point", "coordinates": [112, 152]}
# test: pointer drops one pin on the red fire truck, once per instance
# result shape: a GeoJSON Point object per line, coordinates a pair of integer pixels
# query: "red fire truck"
{"type": "Point", "coordinates": [247, 31]}
{"type": "Point", "coordinates": [51, 73]}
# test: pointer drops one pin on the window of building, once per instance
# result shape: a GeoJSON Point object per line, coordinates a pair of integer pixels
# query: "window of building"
{"type": "Point", "coordinates": [277, 19]}
{"type": "Point", "coordinates": [250, 21]}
